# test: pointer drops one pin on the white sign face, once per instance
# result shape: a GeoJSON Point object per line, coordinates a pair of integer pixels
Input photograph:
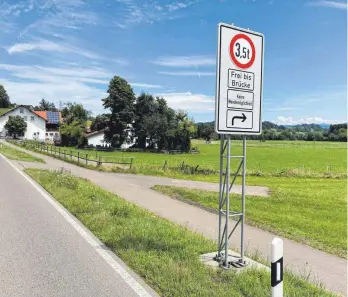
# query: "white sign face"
{"type": "Point", "coordinates": [239, 81]}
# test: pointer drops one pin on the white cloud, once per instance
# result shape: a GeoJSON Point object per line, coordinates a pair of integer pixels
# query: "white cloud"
{"type": "Point", "coordinates": [59, 90]}
{"type": "Point", "coordinates": [185, 61]}
{"type": "Point", "coordinates": [59, 84]}
{"type": "Point", "coordinates": [189, 102]}
{"type": "Point", "coordinates": [307, 120]}
{"type": "Point", "coordinates": [134, 12]}
{"type": "Point", "coordinates": [49, 46]}
{"type": "Point", "coordinates": [187, 73]}
{"type": "Point", "coordinates": [332, 4]}
{"type": "Point", "coordinates": [280, 109]}
{"type": "Point", "coordinates": [145, 86]}
{"type": "Point", "coordinates": [178, 5]}
{"type": "Point", "coordinates": [69, 14]}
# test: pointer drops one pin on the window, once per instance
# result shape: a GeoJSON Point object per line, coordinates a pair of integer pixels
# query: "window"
{"type": "Point", "coordinates": [46, 134]}
{"type": "Point", "coordinates": [51, 134]}
{"type": "Point", "coordinates": [21, 110]}
{"type": "Point", "coordinates": [25, 118]}
{"type": "Point", "coordinates": [34, 134]}
{"type": "Point", "coordinates": [32, 118]}
{"type": "Point", "coordinates": [56, 134]}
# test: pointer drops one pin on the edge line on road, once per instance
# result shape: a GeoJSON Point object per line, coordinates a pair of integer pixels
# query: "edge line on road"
{"type": "Point", "coordinates": [121, 271]}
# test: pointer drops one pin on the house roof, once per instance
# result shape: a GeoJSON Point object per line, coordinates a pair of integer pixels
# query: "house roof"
{"type": "Point", "coordinates": [52, 117]}
{"type": "Point", "coordinates": [23, 106]}
{"type": "Point", "coordinates": [94, 133]}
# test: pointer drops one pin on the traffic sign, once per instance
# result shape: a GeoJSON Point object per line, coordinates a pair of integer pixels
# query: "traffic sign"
{"type": "Point", "coordinates": [239, 81]}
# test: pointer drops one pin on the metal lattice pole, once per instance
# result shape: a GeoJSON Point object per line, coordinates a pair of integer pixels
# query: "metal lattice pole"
{"type": "Point", "coordinates": [226, 184]}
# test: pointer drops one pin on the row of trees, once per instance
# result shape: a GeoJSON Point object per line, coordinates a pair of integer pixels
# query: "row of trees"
{"type": "Point", "coordinates": [145, 118]}
{"type": "Point", "coordinates": [150, 120]}
{"type": "Point", "coordinates": [271, 131]}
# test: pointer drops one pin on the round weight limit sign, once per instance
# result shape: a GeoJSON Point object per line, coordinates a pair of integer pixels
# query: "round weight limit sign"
{"type": "Point", "coordinates": [242, 51]}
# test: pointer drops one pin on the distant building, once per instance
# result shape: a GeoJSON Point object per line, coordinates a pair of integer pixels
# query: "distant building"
{"type": "Point", "coordinates": [96, 138]}
{"type": "Point", "coordinates": [41, 125]}
{"type": "Point", "coordinates": [53, 120]}
{"type": "Point", "coordinates": [36, 124]}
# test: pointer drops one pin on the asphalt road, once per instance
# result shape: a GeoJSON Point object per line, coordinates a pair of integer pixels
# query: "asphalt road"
{"type": "Point", "coordinates": [42, 254]}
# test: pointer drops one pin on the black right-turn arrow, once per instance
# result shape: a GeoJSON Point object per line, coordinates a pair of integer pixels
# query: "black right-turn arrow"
{"type": "Point", "coordinates": [243, 118]}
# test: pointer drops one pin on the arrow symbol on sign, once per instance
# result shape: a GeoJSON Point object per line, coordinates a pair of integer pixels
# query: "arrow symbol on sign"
{"type": "Point", "coordinates": [243, 118]}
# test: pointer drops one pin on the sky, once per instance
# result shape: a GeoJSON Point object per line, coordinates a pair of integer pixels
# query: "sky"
{"type": "Point", "coordinates": [69, 50]}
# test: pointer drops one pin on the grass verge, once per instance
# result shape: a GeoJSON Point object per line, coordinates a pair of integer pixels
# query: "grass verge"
{"type": "Point", "coordinates": [163, 253]}
{"type": "Point", "coordinates": [14, 154]}
{"type": "Point", "coordinates": [311, 211]}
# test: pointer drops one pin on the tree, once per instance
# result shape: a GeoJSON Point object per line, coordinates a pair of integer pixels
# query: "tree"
{"type": "Point", "coordinates": [16, 126]}
{"type": "Point", "coordinates": [120, 101]}
{"type": "Point", "coordinates": [100, 122]}
{"type": "Point", "coordinates": [72, 134]}
{"type": "Point", "coordinates": [186, 128]}
{"type": "Point", "coordinates": [4, 98]}
{"type": "Point", "coordinates": [73, 112]}
{"type": "Point", "coordinates": [45, 105]}
{"type": "Point", "coordinates": [145, 108]}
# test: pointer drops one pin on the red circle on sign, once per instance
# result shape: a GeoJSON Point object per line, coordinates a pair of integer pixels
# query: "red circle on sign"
{"type": "Point", "coordinates": [233, 57]}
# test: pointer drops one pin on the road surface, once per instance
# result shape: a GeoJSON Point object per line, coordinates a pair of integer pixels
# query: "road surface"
{"type": "Point", "coordinates": [43, 254]}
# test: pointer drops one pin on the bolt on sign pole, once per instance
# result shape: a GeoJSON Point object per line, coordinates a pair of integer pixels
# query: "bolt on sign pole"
{"type": "Point", "coordinates": [237, 112]}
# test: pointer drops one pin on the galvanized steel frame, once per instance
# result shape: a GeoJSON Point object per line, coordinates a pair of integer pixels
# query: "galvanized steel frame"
{"type": "Point", "coordinates": [224, 202]}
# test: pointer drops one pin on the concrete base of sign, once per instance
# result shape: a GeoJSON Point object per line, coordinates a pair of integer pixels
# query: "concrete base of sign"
{"type": "Point", "coordinates": [208, 260]}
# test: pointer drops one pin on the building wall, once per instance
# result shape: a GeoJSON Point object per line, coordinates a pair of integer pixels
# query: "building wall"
{"type": "Point", "coordinates": [96, 139]}
{"type": "Point", "coordinates": [35, 124]}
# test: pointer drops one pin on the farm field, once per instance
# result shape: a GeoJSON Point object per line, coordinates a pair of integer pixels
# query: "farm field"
{"type": "Point", "coordinates": [302, 209]}
{"type": "Point", "coordinates": [266, 158]}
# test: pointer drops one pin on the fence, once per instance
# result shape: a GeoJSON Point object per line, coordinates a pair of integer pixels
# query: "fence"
{"type": "Point", "coordinates": [81, 158]}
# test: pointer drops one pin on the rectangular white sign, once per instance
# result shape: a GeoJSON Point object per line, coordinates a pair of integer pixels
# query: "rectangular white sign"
{"type": "Point", "coordinates": [239, 81]}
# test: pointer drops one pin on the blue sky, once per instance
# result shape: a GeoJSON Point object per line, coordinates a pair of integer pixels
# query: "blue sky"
{"type": "Point", "coordinates": [68, 50]}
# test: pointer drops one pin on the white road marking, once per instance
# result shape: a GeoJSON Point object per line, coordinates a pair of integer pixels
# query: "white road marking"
{"type": "Point", "coordinates": [138, 289]}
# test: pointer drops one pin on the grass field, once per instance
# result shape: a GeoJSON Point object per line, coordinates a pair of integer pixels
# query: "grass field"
{"type": "Point", "coordinates": [3, 110]}
{"type": "Point", "coordinates": [271, 158]}
{"type": "Point", "coordinates": [14, 154]}
{"type": "Point", "coordinates": [163, 253]}
{"type": "Point", "coordinates": [311, 211]}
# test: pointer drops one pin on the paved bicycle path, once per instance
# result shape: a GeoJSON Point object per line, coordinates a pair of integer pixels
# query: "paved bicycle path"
{"type": "Point", "coordinates": [300, 258]}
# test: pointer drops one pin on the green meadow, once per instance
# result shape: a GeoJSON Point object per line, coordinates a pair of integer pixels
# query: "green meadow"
{"type": "Point", "coordinates": [265, 158]}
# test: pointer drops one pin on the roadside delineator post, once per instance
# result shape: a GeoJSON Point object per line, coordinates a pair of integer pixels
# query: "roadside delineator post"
{"type": "Point", "coordinates": [277, 267]}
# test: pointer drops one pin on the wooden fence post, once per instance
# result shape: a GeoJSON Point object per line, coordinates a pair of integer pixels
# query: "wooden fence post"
{"type": "Point", "coordinates": [131, 163]}
{"type": "Point", "coordinates": [78, 157]}
{"type": "Point", "coordinates": [86, 159]}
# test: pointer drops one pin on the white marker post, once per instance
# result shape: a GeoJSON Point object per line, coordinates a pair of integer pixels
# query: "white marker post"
{"type": "Point", "coordinates": [277, 267]}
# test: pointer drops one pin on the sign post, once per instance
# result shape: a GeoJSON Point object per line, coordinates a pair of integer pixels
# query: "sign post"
{"type": "Point", "coordinates": [237, 111]}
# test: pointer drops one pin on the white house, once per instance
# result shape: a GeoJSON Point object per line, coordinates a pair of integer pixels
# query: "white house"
{"type": "Point", "coordinates": [36, 125]}
{"type": "Point", "coordinates": [96, 138]}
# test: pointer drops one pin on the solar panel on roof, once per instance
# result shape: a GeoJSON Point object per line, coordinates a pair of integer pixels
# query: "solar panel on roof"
{"type": "Point", "coordinates": [53, 117]}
